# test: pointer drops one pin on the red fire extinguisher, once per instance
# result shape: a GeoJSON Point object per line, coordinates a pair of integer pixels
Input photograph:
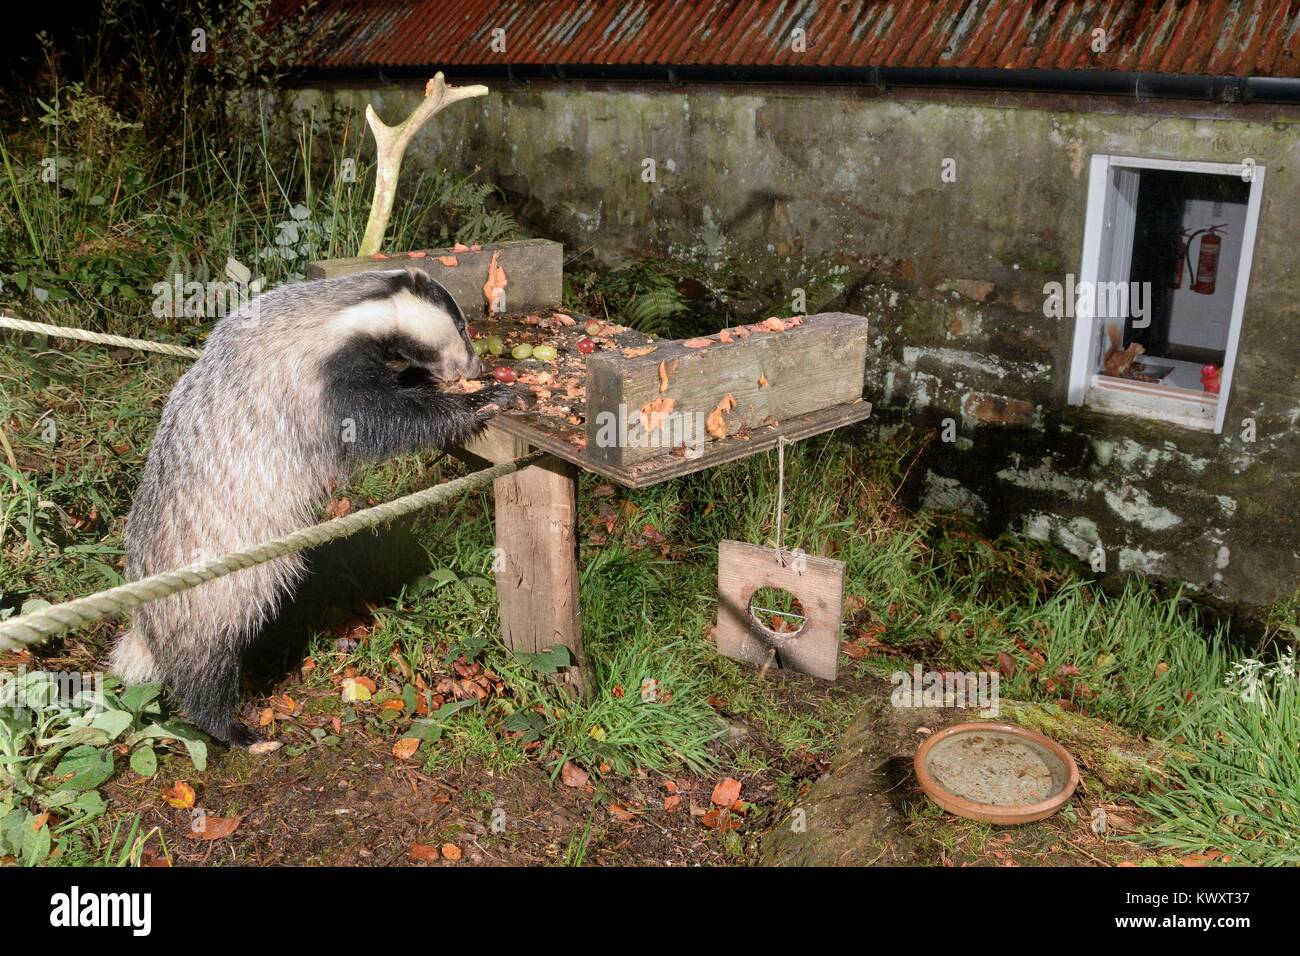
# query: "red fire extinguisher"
{"type": "Point", "coordinates": [1207, 261]}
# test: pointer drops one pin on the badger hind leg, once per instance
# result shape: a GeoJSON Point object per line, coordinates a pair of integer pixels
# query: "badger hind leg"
{"type": "Point", "coordinates": [208, 689]}
{"type": "Point", "coordinates": [132, 660]}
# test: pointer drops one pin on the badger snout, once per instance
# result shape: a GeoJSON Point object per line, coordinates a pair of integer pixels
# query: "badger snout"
{"type": "Point", "coordinates": [450, 368]}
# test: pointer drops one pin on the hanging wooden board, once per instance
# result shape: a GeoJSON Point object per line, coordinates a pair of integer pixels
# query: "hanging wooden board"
{"type": "Point", "coordinates": [817, 582]}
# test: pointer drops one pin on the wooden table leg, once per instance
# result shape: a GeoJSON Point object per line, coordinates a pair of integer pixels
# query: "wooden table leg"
{"type": "Point", "coordinates": [536, 566]}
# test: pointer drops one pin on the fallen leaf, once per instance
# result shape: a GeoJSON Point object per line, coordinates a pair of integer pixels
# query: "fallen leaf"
{"type": "Point", "coordinates": [1161, 669]}
{"type": "Point", "coordinates": [719, 819]}
{"type": "Point", "coordinates": [726, 792]}
{"type": "Point", "coordinates": [620, 813]}
{"type": "Point", "coordinates": [1006, 664]}
{"type": "Point", "coordinates": [673, 803]}
{"type": "Point", "coordinates": [571, 775]}
{"type": "Point", "coordinates": [423, 852]}
{"type": "Point", "coordinates": [267, 747]}
{"type": "Point", "coordinates": [405, 748]}
{"type": "Point", "coordinates": [179, 795]}
{"type": "Point", "coordinates": [215, 828]}
{"type": "Point", "coordinates": [355, 691]}
{"type": "Point", "coordinates": [338, 507]}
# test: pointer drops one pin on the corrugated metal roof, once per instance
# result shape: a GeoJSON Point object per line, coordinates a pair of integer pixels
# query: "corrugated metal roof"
{"type": "Point", "coordinates": [1206, 37]}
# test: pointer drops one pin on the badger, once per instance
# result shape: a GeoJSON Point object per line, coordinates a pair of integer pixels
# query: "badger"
{"type": "Point", "coordinates": [291, 392]}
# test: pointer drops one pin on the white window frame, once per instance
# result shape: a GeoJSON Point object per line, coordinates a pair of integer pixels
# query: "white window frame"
{"type": "Point", "coordinates": [1147, 400]}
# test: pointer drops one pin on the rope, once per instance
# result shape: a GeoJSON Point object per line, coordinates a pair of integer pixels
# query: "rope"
{"type": "Point", "coordinates": [51, 621]}
{"type": "Point", "coordinates": [100, 338]}
{"type": "Point", "coordinates": [780, 498]}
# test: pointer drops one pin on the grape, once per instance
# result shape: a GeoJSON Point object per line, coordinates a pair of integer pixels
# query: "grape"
{"type": "Point", "coordinates": [545, 353]}
{"type": "Point", "coordinates": [521, 351]}
{"type": "Point", "coordinates": [504, 374]}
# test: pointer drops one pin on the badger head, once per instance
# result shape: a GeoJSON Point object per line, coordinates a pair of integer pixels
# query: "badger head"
{"type": "Point", "coordinates": [417, 325]}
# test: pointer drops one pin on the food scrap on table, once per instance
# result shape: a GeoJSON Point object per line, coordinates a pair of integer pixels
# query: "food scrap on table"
{"type": "Point", "coordinates": [664, 372]}
{"type": "Point", "coordinates": [716, 423]}
{"type": "Point", "coordinates": [494, 287]}
{"type": "Point", "coordinates": [654, 412]}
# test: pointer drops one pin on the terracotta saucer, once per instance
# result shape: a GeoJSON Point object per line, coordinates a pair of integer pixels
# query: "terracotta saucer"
{"type": "Point", "coordinates": [999, 773]}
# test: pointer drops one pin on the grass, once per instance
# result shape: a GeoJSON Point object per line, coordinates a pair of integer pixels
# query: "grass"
{"type": "Point", "coordinates": [923, 588]}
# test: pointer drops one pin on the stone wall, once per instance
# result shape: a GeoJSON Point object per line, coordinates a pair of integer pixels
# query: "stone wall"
{"type": "Point", "coordinates": [839, 192]}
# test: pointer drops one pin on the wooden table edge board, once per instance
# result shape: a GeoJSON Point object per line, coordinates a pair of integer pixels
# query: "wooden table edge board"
{"type": "Point", "coordinates": [719, 452]}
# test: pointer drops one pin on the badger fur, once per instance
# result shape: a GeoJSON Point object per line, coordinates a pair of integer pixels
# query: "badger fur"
{"type": "Point", "coordinates": [290, 393]}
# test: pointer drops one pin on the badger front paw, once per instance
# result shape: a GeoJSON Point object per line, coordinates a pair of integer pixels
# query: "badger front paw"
{"type": "Point", "coordinates": [499, 398]}
{"type": "Point", "coordinates": [240, 737]}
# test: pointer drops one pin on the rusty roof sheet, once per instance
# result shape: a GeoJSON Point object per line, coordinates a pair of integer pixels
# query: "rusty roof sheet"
{"type": "Point", "coordinates": [1206, 37]}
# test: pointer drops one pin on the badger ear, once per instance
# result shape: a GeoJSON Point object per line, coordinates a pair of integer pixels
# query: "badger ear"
{"type": "Point", "coordinates": [415, 281]}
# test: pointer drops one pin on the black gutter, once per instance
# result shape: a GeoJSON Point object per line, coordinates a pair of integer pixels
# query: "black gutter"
{"type": "Point", "coordinates": [1139, 86]}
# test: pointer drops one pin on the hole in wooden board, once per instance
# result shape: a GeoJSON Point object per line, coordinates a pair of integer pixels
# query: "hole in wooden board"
{"type": "Point", "coordinates": [776, 613]}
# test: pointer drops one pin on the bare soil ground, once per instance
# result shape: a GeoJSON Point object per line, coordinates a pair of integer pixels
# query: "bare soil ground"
{"type": "Point", "coordinates": [355, 804]}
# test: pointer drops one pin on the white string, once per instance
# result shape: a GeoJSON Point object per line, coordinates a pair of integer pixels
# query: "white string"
{"type": "Point", "coordinates": [780, 499]}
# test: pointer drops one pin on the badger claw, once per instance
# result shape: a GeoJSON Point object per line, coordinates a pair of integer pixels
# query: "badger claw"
{"type": "Point", "coordinates": [241, 737]}
{"type": "Point", "coordinates": [500, 398]}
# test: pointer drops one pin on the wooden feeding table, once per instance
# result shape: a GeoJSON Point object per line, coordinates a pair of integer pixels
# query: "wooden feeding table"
{"type": "Point", "coordinates": [631, 408]}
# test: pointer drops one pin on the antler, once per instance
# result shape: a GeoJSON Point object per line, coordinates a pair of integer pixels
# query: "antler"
{"type": "Point", "coordinates": [391, 142]}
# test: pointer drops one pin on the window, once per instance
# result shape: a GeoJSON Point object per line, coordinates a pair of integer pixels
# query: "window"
{"type": "Point", "coordinates": [1162, 287]}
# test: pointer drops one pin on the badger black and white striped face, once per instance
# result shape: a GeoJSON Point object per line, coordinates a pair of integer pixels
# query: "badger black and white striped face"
{"type": "Point", "coordinates": [412, 325]}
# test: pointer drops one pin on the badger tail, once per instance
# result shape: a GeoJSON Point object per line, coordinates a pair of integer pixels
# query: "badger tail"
{"type": "Point", "coordinates": [132, 660]}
